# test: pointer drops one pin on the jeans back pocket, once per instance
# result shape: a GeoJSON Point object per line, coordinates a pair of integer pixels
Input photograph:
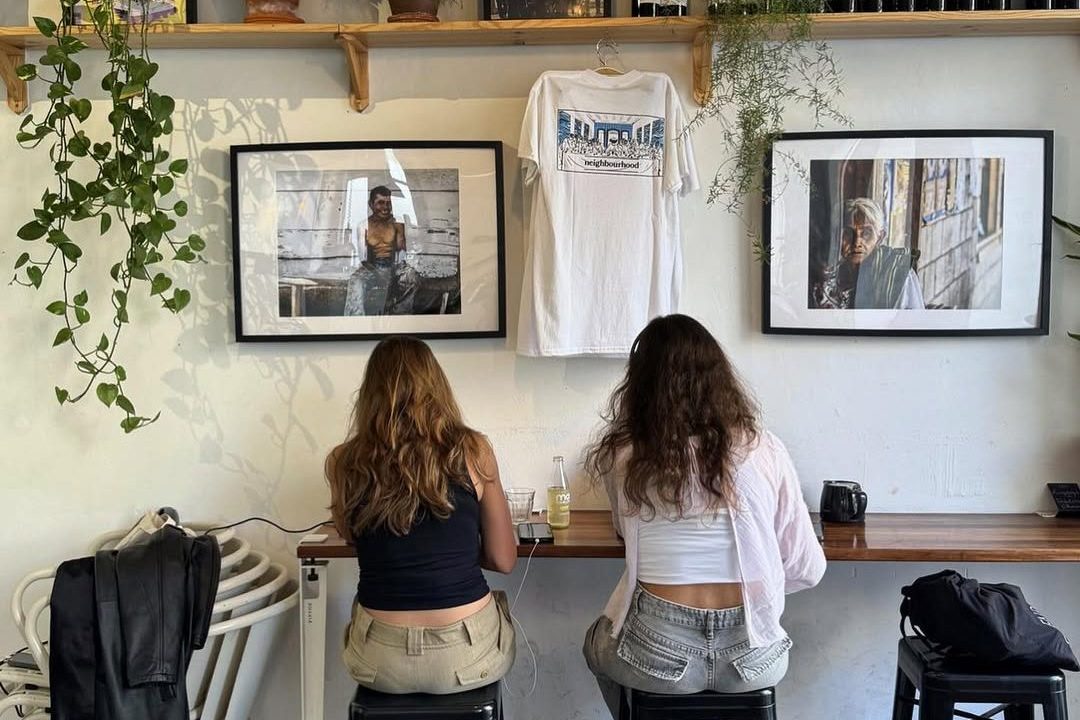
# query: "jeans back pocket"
{"type": "Point", "coordinates": [650, 657]}
{"type": "Point", "coordinates": [755, 662]}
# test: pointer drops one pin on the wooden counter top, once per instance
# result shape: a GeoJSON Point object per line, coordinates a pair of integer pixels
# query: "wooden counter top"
{"type": "Point", "coordinates": [903, 537]}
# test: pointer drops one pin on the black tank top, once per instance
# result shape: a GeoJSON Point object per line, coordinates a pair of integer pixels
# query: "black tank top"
{"type": "Point", "coordinates": [435, 565]}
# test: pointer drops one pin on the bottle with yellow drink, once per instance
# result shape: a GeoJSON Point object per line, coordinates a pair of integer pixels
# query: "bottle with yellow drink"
{"type": "Point", "coordinates": [558, 505]}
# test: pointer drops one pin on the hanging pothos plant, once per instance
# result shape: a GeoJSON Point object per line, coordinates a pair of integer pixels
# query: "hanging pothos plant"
{"type": "Point", "coordinates": [764, 61]}
{"type": "Point", "coordinates": [113, 190]}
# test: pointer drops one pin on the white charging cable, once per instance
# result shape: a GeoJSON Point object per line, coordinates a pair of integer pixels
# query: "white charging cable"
{"type": "Point", "coordinates": [513, 603]}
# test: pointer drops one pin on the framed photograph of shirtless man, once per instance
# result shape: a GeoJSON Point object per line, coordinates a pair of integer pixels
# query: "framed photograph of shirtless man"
{"type": "Point", "coordinates": [360, 240]}
{"type": "Point", "coordinates": [908, 233]}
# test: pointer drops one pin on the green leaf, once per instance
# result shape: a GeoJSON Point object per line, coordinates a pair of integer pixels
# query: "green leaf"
{"type": "Point", "coordinates": [184, 254]}
{"type": "Point", "coordinates": [122, 315]}
{"type": "Point", "coordinates": [57, 91]}
{"type": "Point", "coordinates": [132, 90]}
{"type": "Point", "coordinates": [57, 307]}
{"type": "Point", "coordinates": [81, 298]}
{"type": "Point", "coordinates": [106, 223]}
{"type": "Point", "coordinates": [180, 300]}
{"type": "Point", "coordinates": [71, 251]}
{"type": "Point", "coordinates": [178, 167]}
{"type": "Point", "coordinates": [159, 284]}
{"type": "Point", "coordinates": [34, 273]}
{"type": "Point", "coordinates": [121, 374]}
{"type": "Point", "coordinates": [45, 26]}
{"type": "Point", "coordinates": [116, 197]}
{"type": "Point", "coordinates": [124, 403]}
{"type": "Point", "coordinates": [130, 424]}
{"type": "Point", "coordinates": [82, 315]}
{"type": "Point", "coordinates": [22, 137]}
{"type": "Point", "coordinates": [23, 259]}
{"type": "Point", "coordinates": [180, 208]}
{"type": "Point", "coordinates": [26, 72]}
{"type": "Point", "coordinates": [103, 343]}
{"type": "Point", "coordinates": [62, 167]}
{"type": "Point", "coordinates": [81, 108]}
{"type": "Point", "coordinates": [120, 297]}
{"type": "Point", "coordinates": [197, 243]}
{"type": "Point", "coordinates": [86, 367]}
{"type": "Point", "coordinates": [165, 185]}
{"type": "Point", "coordinates": [1074, 336]}
{"type": "Point", "coordinates": [107, 393]}
{"type": "Point", "coordinates": [79, 146]}
{"type": "Point", "coordinates": [77, 190]}
{"type": "Point", "coordinates": [61, 395]}
{"type": "Point", "coordinates": [114, 271]}
{"type": "Point", "coordinates": [73, 71]}
{"type": "Point", "coordinates": [62, 337]}
{"type": "Point", "coordinates": [32, 230]}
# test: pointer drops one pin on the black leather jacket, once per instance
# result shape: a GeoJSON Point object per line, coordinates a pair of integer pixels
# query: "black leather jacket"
{"type": "Point", "coordinates": [125, 659]}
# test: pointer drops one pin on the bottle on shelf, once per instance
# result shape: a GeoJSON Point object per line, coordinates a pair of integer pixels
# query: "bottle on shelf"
{"type": "Point", "coordinates": [663, 8]}
{"type": "Point", "coordinates": [558, 506]}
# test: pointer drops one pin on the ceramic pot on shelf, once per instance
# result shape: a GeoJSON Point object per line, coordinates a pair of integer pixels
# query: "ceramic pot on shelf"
{"type": "Point", "coordinates": [272, 11]}
{"type": "Point", "coordinates": [414, 11]}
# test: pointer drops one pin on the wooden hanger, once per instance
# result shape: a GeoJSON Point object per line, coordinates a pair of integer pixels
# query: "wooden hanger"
{"type": "Point", "coordinates": [604, 68]}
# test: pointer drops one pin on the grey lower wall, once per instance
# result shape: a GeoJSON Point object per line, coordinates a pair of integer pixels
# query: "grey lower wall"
{"type": "Point", "coordinates": [845, 634]}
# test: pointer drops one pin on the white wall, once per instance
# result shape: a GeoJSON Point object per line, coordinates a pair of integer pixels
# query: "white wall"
{"type": "Point", "coordinates": [953, 424]}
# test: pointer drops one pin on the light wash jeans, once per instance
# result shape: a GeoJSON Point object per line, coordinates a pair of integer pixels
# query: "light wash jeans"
{"type": "Point", "coordinates": [675, 649]}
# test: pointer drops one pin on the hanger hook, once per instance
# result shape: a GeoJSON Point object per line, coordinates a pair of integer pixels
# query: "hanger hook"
{"type": "Point", "coordinates": [606, 43]}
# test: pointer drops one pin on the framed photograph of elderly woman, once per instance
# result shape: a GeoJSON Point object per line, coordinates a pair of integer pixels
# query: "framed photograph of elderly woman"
{"type": "Point", "coordinates": [360, 240]}
{"type": "Point", "coordinates": [908, 233]}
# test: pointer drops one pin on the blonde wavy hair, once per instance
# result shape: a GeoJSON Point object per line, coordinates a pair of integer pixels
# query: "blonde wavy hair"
{"type": "Point", "coordinates": [406, 445]}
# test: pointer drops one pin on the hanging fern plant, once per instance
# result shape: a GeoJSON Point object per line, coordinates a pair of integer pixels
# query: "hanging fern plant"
{"type": "Point", "coordinates": [764, 61]}
{"type": "Point", "coordinates": [109, 196]}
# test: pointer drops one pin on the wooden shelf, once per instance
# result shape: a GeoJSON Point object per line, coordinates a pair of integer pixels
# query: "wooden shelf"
{"type": "Point", "coordinates": [893, 537]}
{"type": "Point", "coordinates": [357, 39]}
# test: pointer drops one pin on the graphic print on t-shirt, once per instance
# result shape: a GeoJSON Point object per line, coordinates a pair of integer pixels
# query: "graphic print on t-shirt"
{"type": "Point", "coordinates": [611, 143]}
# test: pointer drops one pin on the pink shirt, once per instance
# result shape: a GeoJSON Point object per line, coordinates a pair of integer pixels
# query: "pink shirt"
{"type": "Point", "coordinates": [775, 541]}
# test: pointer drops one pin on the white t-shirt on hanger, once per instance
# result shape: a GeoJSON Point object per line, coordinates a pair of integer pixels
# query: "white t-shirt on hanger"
{"type": "Point", "coordinates": [605, 159]}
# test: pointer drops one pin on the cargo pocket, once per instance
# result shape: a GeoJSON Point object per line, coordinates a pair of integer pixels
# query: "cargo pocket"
{"type": "Point", "coordinates": [361, 670]}
{"type": "Point", "coordinates": [482, 672]}
{"type": "Point", "coordinates": [754, 663]}
{"type": "Point", "coordinates": [650, 657]}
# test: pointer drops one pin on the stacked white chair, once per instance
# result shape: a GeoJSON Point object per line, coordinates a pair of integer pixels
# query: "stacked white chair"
{"type": "Point", "coordinates": [253, 599]}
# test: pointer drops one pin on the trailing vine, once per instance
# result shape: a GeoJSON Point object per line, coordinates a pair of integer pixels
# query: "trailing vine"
{"type": "Point", "coordinates": [764, 61]}
{"type": "Point", "coordinates": [118, 186]}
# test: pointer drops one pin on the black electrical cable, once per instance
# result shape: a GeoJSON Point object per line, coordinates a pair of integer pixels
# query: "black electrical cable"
{"type": "Point", "coordinates": [269, 522]}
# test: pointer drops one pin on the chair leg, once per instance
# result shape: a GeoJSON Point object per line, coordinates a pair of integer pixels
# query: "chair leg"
{"type": "Point", "coordinates": [1020, 712]}
{"type": "Point", "coordinates": [903, 696]}
{"type": "Point", "coordinates": [935, 706]}
{"type": "Point", "coordinates": [1056, 708]}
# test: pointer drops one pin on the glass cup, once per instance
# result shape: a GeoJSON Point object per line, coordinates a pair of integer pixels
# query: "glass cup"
{"type": "Point", "coordinates": [521, 504]}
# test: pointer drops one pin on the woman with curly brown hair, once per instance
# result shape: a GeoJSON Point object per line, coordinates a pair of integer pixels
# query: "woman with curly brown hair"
{"type": "Point", "coordinates": [715, 526]}
{"type": "Point", "coordinates": [417, 492]}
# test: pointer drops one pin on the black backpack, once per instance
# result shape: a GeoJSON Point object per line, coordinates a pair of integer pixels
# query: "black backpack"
{"type": "Point", "coordinates": [991, 623]}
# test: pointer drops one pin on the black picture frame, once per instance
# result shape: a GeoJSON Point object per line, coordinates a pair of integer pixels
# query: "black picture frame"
{"type": "Point", "coordinates": [779, 309]}
{"type": "Point", "coordinates": [537, 10]}
{"type": "Point", "coordinates": [480, 238]}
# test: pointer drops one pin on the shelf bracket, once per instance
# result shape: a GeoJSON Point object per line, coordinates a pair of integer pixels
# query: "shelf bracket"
{"type": "Point", "coordinates": [10, 59]}
{"type": "Point", "coordinates": [356, 54]}
{"type": "Point", "coordinates": [702, 67]}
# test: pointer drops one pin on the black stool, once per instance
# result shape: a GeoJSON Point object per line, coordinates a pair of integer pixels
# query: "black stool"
{"type": "Point", "coordinates": [943, 683]}
{"type": "Point", "coordinates": [757, 705]}
{"type": "Point", "coordinates": [480, 704]}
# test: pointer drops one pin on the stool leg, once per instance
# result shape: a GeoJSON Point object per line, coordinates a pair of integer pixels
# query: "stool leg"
{"type": "Point", "coordinates": [1056, 708]}
{"type": "Point", "coordinates": [903, 695]}
{"type": "Point", "coordinates": [1020, 712]}
{"type": "Point", "coordinates": [936, 706]}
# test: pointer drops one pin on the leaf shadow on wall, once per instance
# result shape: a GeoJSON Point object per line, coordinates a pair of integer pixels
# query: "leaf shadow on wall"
{"type": "Point", "coordinates": [253, 477]}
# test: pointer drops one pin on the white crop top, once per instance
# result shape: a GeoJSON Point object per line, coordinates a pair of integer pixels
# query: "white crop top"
{"type": "Point", "coordinates": [689, 550]}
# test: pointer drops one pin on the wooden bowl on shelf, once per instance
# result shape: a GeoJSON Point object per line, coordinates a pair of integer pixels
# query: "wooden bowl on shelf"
{"type": "Point", "coordinates": [272, 11]}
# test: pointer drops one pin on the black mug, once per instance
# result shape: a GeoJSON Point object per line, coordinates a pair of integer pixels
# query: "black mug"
{"type": "Point", "coordinates": [842, 501]}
